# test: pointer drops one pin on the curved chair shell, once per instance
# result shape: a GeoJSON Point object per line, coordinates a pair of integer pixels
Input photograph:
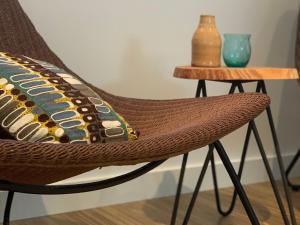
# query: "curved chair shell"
{"type": "Point", "coordinates": [167, 127]}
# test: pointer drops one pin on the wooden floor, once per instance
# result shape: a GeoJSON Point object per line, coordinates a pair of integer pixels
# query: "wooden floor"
{"type": "Point", "coordinates": [158, 211]}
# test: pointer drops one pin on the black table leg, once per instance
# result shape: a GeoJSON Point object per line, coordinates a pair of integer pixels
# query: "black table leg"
{"type": "Point", "coordinates": [198, 185]}
{"type": "Point", "coordinates": [251, 128]}
{"type": "Point", "coordinates": [240, 171]}
{"type": "Point", "coordinates": [234, 85]}
{"type": "Point", "coordinates": [279, 159]}
{"type": "Point", "coordinates": [235, 179]}
{"type": "Point", "coordinates": [201, 90]}
{"type": "Point", "coordinates": [295, 187]}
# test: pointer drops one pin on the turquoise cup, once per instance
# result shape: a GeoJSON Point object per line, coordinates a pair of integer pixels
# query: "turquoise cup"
{"type": "Point", "coordinates": [237, 50]}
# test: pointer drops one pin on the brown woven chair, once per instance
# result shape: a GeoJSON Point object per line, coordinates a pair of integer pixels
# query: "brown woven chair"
{"type": "Point", "coordinates": [167, 128]}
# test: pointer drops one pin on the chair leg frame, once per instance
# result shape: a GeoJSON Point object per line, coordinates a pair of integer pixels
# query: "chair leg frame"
{"type": "Point", "coordinates": [69, 189]}
{"type": "Point", "coordinates": [251, 129]}
{"type": "Point", "coordinates": [295, 187]}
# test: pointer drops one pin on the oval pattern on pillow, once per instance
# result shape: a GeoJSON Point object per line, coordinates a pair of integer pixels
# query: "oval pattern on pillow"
{"type": "Point", "coordinates": [40, 102]}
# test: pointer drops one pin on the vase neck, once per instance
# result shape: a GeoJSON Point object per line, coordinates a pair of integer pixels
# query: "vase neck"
{"type": "Point", "coordinates": [207, 20]}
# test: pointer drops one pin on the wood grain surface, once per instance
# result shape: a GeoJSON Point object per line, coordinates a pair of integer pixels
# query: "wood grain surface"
{"type": "Point", "coordinates": [158, 211]}
{"type": "Point", "coordinates": [226, 73]}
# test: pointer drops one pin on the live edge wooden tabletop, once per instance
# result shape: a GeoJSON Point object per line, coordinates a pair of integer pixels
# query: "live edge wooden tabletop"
{"type": "Point", "coordinates": [228, 73]}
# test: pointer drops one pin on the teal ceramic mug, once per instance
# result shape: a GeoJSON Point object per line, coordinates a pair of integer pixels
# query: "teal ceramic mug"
{"type": "Point", "coordinates": [237, 50]}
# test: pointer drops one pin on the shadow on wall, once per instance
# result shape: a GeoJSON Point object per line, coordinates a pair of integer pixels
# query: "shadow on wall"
{"type": "Point", "coordinates": [141, 74]}
{"type": "Point", "coordinates": [165, 188]}
{"type": "Point", "coordinates": [288, 124]}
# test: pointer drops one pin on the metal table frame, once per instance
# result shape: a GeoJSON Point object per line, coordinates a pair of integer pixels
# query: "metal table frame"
{"type": "Point", "coordinates": [260, 88]}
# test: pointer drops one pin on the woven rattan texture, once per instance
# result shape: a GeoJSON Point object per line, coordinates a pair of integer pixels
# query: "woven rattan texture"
{"type": "Point", "coordinates": [167, 128]}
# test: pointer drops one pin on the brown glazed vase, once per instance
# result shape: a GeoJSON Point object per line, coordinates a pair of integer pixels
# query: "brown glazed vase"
{"type": "Point", "coordinates": [206, 44]}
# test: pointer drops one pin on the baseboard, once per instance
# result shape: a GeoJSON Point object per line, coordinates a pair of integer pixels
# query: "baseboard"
{"type": "Point", "coordinates": [158, 183]}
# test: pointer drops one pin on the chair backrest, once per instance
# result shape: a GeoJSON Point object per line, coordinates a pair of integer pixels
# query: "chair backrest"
{"type": "Point", "coordinates": [18, 35]}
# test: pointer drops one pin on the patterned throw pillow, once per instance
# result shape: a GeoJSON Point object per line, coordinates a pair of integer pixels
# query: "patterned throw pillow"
{"type": "Point", "coordinates": [42, 103]}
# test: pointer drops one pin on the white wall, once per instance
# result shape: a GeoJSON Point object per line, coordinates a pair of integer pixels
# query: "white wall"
{"type": "Point", "coordinates": [131, 47]}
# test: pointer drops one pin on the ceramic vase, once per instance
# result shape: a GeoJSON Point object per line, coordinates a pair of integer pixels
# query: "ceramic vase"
{"type": "Point", "coordinates": [206, 44]}
{"type": "Point", "coordinates": [237, 50]}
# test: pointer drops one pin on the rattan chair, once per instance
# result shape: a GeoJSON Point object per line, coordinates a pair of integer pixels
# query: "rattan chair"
{"type": "Point", "coordinates": [167, 128]}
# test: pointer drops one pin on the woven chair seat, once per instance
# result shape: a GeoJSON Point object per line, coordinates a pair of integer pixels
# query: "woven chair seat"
{"type": "Point", "coordinates": [167, 128]}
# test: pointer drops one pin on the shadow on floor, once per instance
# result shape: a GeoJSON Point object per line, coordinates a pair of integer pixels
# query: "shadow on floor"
{"type": "Point", "coordinates": [203, 207]}
{"type": "Point", "coordinates": [53, 220]}
{"type": "Point", "coordinates": [161, 211]}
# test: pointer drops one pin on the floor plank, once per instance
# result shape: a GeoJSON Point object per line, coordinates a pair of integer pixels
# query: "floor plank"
{"type": "Point", "coordinates": [158, 211]}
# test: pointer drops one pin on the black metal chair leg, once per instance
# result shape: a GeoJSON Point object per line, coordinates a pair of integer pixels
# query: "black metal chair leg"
{"type": "Point", "coordinates": [198, 186]}
{"type": "Point", "coordinates": [6, 218]}
{"type": "Point", "coordinates": [179, 187]}
{"type": "Point", "coordinates": [295, 187]}
{"type": "Point", "coordinates": [280, 160]}
{"type": "Point", "coordinates": [236, 181]}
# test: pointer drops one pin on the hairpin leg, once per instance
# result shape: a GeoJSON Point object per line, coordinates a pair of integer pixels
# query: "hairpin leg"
{"type": "Point", "coordinates": [279, 159]}
{"type": "Point", "coordinates": [227, 212]}
{"type": "Point", "coordinates": [252, 127]}
{"type": "Point", "coordinates": [236, 181]}
{"type": "Point", "coordinates": [295, 187]}
{"type": "Point", "coordinates": [198, 185]}
{"type": "Point", "coordinates": [201, 89]}
{"type": "Point", "coordinates": [240, 171]}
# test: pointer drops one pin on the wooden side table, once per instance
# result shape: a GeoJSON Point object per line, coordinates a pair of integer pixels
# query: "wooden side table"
{"type": "Point", "coordinates": [237, 77]}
